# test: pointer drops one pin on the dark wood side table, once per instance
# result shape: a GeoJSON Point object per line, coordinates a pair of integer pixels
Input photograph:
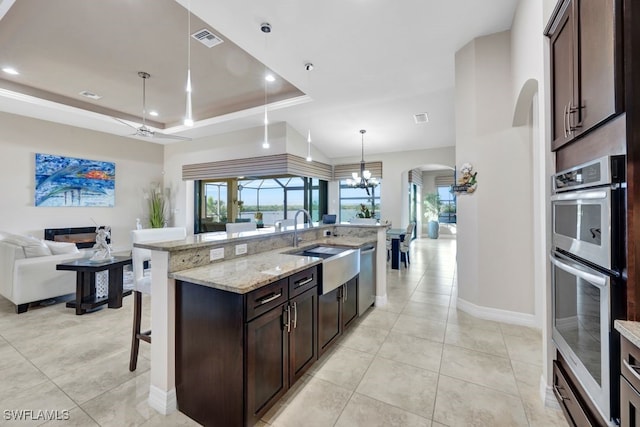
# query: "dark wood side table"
{"type": "Point", "coordinates": [86, 270]}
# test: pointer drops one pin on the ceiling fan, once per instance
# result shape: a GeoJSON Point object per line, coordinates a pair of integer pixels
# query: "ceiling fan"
{"type": "Point", "coordinates": [144, 131]}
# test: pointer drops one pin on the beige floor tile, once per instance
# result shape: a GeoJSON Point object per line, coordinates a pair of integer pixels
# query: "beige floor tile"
{"type": "Point", "coordinates": [412, 351]}
{"type": "Point", "coordinates": [316, 403]}
{"type": "Point", "coordinates": [363, 411]}
{"type": "Point", "coordinates": [98, 376]}
{"type": "Point", "coordinates": [479, 368]}
{"type": "Point", "coordinates": [524, 349]}
{"type": "Point", "coordinates": [431, 298]}
{"type": "Point", "coordinates": [404, 386]}
{"type": "Point", "coordinates": [460, 403]}
{"type": "Point", "coordinates": [520, 331]}
{"type": "Point", "coordinates": [363, 338]}
{"type": "Point", "coordinates": [344, 367]}
{"type": "Point", "coordinates": [176, 419]}
{"type": "Point", "coordinates": [426, 310]}
{"type": "Point", "coordinates": [41, 397]}
{"type": "Point", "coordinates": [476, 339]}
{"type": "Point", "coordinates": [19, 376]}
{"type": "Point", "coordinates": [394, 303]}
{"type": "Point", "coordinates": [421, 328]}
{"type": "Point", "coordinates": [76, 418]}
{"type": "Point", "coordinates": [434, 288]}
{"type": "Point", "coordinates": [379, 319]}
{"type": "Point", "coordinates": [462, 319]}
{"type": "Point", "coordinates": [123, 405]}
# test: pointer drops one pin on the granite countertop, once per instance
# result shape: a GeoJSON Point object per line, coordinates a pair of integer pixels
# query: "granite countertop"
{"type": "Point", "coordinates": [245, 274]}
{"type": "Point", "coordinates": [630, 330]}
{"type": "Point", "coordinates": [221, 237]}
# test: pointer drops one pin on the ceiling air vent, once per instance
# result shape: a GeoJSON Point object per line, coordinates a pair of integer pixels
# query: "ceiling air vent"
{"type": "Point", "coordinates": [207, 38]}
{"type": "Point", "coordinates": [421, 118]}
{"type": "Point", "coordinates": [91, 95]}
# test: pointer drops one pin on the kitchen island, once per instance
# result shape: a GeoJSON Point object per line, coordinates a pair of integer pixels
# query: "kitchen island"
{"type": "Point", "coordinates": [263, 261]}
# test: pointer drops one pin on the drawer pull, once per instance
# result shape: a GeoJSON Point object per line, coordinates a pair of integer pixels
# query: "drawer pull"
{"type": "Point", "coordinates": [632, 368]}
{"type": "Point", "coordinates": [288, 324]}
{"type": "Point", "coordinates": [295, 315]}
{"type": "Point", "coordinates": [558, 394]}
{"type": "Point", "coordinates": [303, 282]}
{"type": "Point", "coordinates": [269, 298]}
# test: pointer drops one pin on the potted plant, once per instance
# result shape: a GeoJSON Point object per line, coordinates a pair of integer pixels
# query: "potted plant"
{"type": "Point", "coordinates": [157, 206]}
{"type": "Point", "coordinates": [431, 212]}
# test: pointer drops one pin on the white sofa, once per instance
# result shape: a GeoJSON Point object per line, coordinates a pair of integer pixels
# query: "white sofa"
{"type": "Point", "coordinates": [28, 269]}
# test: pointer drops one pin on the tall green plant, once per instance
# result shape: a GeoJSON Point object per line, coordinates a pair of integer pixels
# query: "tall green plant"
{"type": "Point", "coordinates": [432, 206]}
{"type": "Point", "coordinates": [157, 207]}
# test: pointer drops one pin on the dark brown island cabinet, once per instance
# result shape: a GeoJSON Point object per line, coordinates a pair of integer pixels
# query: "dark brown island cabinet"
{"type": "Point", "coordinates": [629, 384]}
{"type": "Point", "coordinates": [336, 310]}
{"type": "Point", "coordinates": [237, 354]}
{"type": "Point", "coordinates": [586, 66]}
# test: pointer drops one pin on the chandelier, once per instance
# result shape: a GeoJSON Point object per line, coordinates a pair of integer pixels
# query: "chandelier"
{"type": "Point", "coordinates": [365, 180]}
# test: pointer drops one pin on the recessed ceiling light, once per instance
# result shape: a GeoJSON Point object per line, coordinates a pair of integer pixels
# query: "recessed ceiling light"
{"type": "Point", "coordinates": [153, 113]}
{"type": "Point", "coordinates": [421, 118]}
{"type": "Point", "coordinates": [270, 78]}
{"type": "Point", "coordinates": [11, 71]}
{"type": "Point", "coordinates": [91, 95]}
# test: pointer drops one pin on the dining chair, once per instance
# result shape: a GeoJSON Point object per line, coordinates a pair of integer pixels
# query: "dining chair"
{"type": "Point", "coordinates": [142, 279]}
{"type": "Point", "coordinates": [405, 245]}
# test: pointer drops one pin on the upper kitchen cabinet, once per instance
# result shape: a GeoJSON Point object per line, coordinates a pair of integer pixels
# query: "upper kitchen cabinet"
{"type": "Point", "coordinates": [586, 66]}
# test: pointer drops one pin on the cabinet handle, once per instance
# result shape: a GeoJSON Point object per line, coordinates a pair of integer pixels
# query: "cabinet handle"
{"type": "Point", "coordinates": [572, 110]}
{"type": "Point", "coordinates": [632, 368]}
{"type": "Point", "coordinates": [303, 282]}
{"type": "Point", "coordinates": [269, 298]}
{"type": "Point", "coordinates": [564, 121]}
{"type": "Point", "coordinates": [288, 323]}
{"type": "Point", "coordinates": [560, 396]}
{"type": "Point", "coordinates": [295, 315]}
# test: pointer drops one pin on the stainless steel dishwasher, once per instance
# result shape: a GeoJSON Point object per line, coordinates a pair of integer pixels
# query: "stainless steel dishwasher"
{"type": "Point", "coordinates": [367, 280]}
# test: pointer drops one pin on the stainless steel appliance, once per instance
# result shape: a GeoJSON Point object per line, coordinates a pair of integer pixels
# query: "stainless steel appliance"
{"type": "Point", "coordinates": [588, 217]}
{"type": "Point", "coordinates": [367, 279]}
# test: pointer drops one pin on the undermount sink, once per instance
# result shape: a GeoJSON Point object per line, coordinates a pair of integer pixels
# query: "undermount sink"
{"type": "Point", "coordinates": [339, 265]}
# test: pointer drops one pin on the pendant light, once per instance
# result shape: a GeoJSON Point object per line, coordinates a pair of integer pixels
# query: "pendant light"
{"type": "Point", "coordinates": [365, 180]}
{"type": "Point", "coordinates": [309, 66]}
{"type": "Point", "coordinates": [188, 118]}
{"type": "Point", "coordinates": [265, 27]}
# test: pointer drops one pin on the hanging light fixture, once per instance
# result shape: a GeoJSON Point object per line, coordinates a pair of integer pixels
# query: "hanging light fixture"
{"type": "Point", "coordinates": [265, 27]}
{"type": "Point", "coordinates": [188, 118]}
{"type": "Point", "coordinates": [365, 180]}
{"type": "Point", "coordinates": [309, 66]}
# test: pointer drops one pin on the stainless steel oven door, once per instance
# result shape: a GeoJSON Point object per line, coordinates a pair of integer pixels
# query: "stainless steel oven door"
{"type": "Point", "coordinates": [582, 224]}
{"type": "Point", "coordinates": [581, 325]}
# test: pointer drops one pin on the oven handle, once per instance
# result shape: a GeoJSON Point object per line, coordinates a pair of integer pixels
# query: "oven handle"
{"type": "Point", "coordinates": [580, 195]}
{"type": "Point", "coordinates": [595, 279]}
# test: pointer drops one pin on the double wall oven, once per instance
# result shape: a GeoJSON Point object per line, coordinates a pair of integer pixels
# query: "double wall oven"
{"type": "Point", "coordinates": [588, 286]}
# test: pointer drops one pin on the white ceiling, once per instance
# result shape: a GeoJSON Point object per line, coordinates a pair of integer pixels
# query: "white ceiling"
{"type": "Point", "coordinates": [377, 63]}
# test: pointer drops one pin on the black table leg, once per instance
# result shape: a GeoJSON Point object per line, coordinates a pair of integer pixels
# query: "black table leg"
{"type": "Point", "coordinates": [115, 287]}
{"type": "Point", "coordinates": [395, 253]}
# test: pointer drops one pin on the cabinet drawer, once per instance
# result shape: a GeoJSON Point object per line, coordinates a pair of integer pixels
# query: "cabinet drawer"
{"type": "Point", "coordinates": [567, 398]}
{"type": "Point", "coordinates": [303, 280]}
{"type": "Point", "coordinates": [264, 299]}
{"type": "Point", "coordinates": [629, 405]}
{"type": "Point", "coordinates": [630, 362]}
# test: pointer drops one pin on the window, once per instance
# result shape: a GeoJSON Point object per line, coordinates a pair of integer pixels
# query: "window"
{"type": "Point", "coordinates": [352, 199]}
{"type": "Point", "coordinates": [447, 205]}
{"type": "Point", "coordinates": [236, 200]}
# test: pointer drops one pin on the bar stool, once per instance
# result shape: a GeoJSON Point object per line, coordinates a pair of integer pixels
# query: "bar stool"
{"type": "Point", "coordinates": [142, 280]}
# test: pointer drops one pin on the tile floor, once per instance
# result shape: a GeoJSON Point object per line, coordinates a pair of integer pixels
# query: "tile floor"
{"type": "Point", "coordinates": [415, 362]}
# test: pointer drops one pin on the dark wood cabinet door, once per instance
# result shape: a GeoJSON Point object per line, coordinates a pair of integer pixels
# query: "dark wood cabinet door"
{"type": "Point", "coordinates": [349, 302]}
{"type": "Point", "coordinates": [599, 70]}
{"type": "Point", "coordinates": [563, 75]}
{"type": "Point", "coordinates": [328, 319]}
{"type": "Point", "coordinates": [303, 339]}
{"type": "Point", "coordinates": [629, 405]}
{"type": "Point", "coordinates": [266, 362]}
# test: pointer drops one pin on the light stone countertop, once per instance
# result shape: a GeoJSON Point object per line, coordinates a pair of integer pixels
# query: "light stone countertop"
{"type": "Point", "coordinates": [630, 330]}
{"type": "Point", "coordinates": [245, 274]}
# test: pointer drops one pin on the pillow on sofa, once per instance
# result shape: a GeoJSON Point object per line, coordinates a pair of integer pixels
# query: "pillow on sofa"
{"type": "Point", "coordinates": [32, 247]}
{"type": "Point", "coordinates": [58, 248]}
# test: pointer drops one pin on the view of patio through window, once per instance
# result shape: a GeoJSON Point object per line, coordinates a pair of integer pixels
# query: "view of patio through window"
{"type": "Point", "coordinates": [353, 199]}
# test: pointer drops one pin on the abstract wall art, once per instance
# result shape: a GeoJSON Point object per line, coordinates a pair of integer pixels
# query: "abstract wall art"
{"type": "Point", "coordinates": [68, 181]}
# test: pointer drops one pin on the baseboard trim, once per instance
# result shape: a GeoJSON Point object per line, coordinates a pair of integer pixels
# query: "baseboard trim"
{"type": "Point", "coordinates": [381, 300]}
{"type": "Point", "coordinates": [496, 314]}
{"type": "Point", "coordinates": [162, 401]}
{"type": "Point", "coordinates": [547, 395]}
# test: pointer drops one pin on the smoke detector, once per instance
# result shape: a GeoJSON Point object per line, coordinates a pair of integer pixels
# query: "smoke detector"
{"type": "Point", "coordinates": [421, 118]}
{"type": "Point", "coordinates": [207, 38]}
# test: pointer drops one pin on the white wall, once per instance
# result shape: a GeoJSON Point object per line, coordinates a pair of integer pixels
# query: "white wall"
{"type": "Point", "coordinates": [138, 163]}
{"type": "Point", "coordinates": [495, 247]}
